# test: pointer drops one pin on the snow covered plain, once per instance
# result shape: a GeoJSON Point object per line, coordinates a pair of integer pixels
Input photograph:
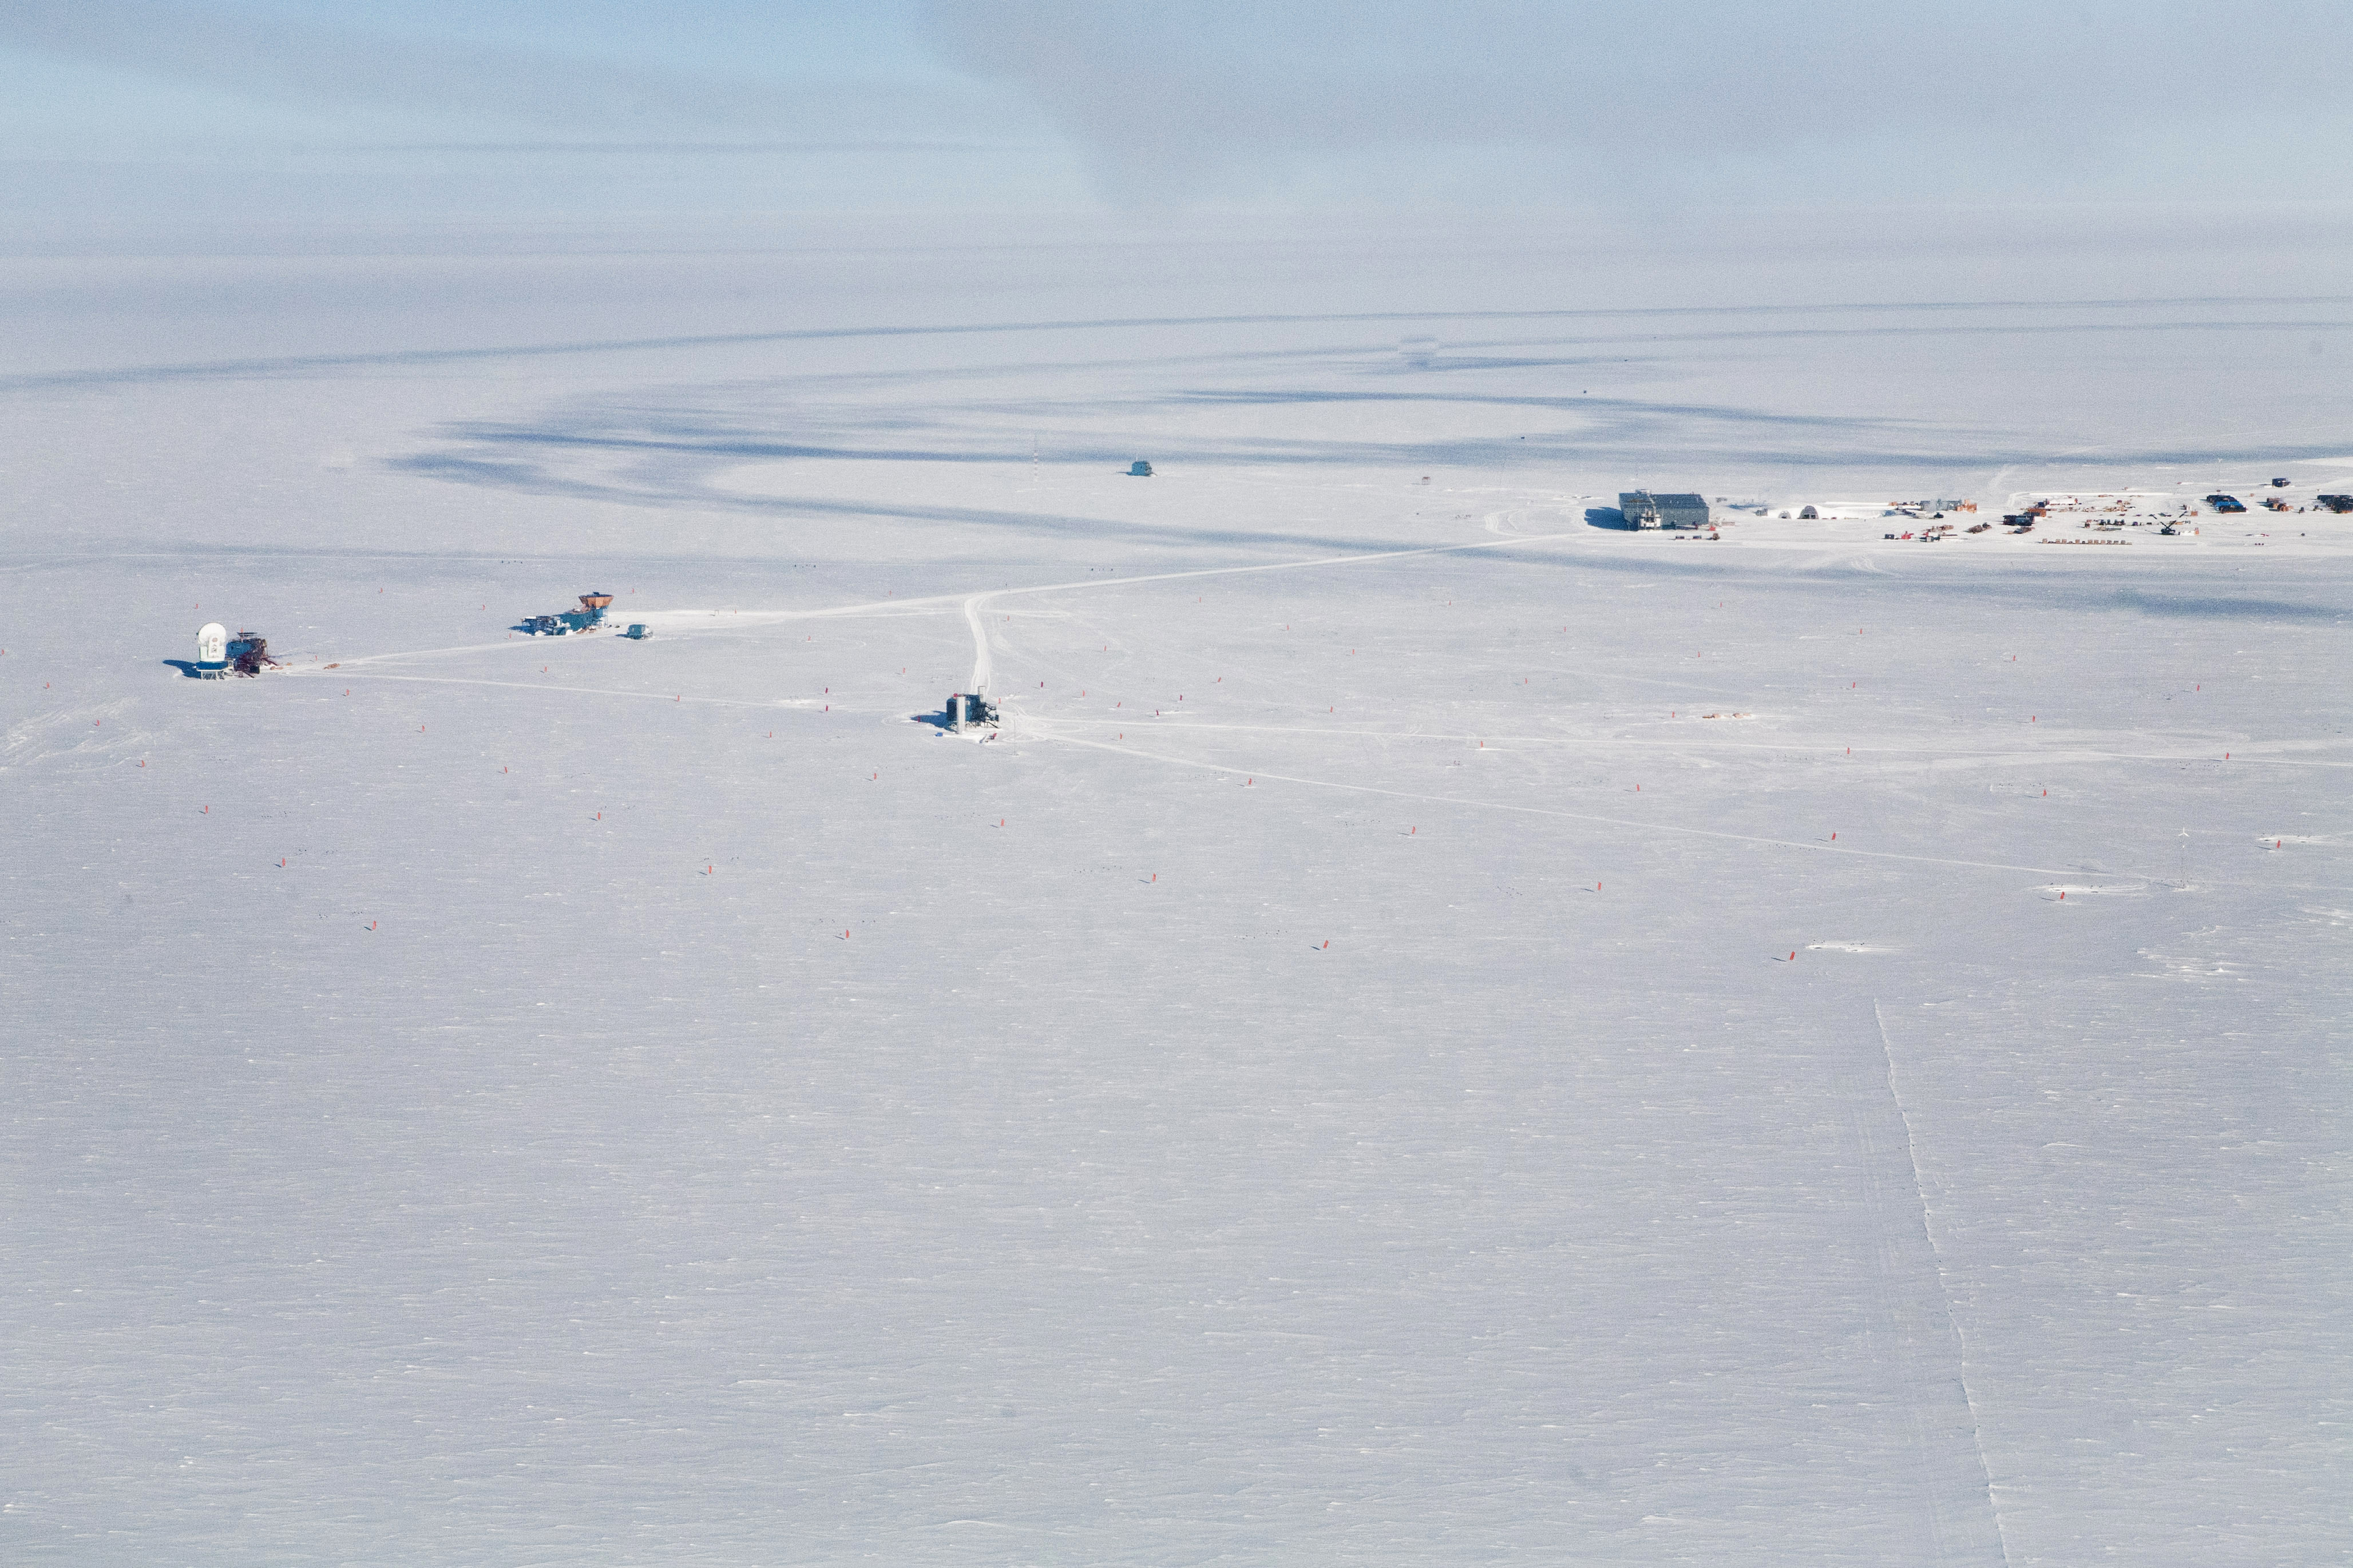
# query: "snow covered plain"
{"type": "Point", "coordinates": [1441, 1030]}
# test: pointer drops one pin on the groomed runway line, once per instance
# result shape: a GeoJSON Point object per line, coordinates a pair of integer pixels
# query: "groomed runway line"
{"type": "Point", "coordinates": [1046, 733]}
{"type": "Point", "coordinates": [1959, 1341]}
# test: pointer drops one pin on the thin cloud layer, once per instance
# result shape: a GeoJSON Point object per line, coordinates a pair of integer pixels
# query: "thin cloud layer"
{"type": "Point", "coordinates": [1656, 105]}
{"type": "Point", "coordinates": [322, 67]}
{"type": "Point", "coordinates": [1793, 101]}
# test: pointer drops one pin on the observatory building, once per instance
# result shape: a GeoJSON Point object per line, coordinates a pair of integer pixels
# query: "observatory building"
{"type": "Point", "coordinates": [968, 711]}
{"type": "Point", "coordinates": [591, 613]}
{"type": "Point", "coordinates": [248, 654]}
{"type": "Point", "coordinates": [219, 655]}
{"type": "Point", "coordinates": [212, 652]}
{"type": "Point", "coordinates": [1643, 510]}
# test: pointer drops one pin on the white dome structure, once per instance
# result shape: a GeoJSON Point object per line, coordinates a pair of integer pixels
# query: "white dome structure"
{"type": "Point", "coordinates": [212, 650]}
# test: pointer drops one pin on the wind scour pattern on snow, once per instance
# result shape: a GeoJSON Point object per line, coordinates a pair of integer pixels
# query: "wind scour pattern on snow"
{"type": "Point", "coordinates": [1440, 1029]}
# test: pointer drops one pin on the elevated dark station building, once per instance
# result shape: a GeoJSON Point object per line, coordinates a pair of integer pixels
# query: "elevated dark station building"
{"type": "Point", "coordinates": [1643, 510]}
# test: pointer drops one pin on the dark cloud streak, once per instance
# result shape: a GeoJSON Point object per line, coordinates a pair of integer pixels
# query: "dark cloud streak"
{"type": "Point", "coordinates": [284, 60]}
{"type": "Point", "coordinates": [1941, 95]}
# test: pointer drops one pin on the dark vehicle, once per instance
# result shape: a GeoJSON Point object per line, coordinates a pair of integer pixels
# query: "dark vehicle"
{"type": "Point", "coordinates": [2337, 503]}
{"type": "Point", "coordinates": [2226, 503]}
{"type": "Point", "coordinates": [2279, 484]}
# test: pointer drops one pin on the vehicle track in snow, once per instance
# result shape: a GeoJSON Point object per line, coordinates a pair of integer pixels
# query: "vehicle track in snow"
{"type": "Point", "coordinates": [687, 622]}
{"type": "Point", "coordinates": [1047, 734]}
{"type": "Point", "coordinates": [984, 660]}
{"type": "Point", "coordinates": [972, 606]}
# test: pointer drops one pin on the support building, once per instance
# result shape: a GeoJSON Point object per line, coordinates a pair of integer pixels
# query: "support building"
{"type": "Point", "coordinates": [1643, 510]}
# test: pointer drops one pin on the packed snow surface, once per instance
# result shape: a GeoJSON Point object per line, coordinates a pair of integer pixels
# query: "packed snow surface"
{"type": "Point", "coordinates": [1438, 1029]}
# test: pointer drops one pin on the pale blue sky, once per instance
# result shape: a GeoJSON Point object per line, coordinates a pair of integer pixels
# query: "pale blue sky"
{"type": "Point", "coordinates": [589, 107]}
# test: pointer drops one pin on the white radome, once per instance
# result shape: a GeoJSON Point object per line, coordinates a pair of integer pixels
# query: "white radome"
{"type": "Point", "coordinates": [211, 644]}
